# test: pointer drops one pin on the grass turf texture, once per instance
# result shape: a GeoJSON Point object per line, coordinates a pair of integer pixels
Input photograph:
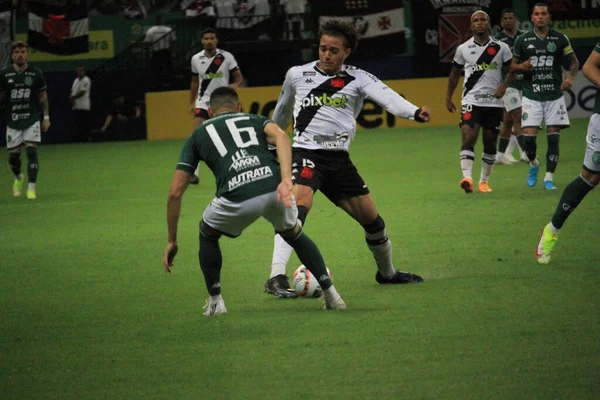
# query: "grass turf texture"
{"type": "Point", "coordinates": [86, 311]}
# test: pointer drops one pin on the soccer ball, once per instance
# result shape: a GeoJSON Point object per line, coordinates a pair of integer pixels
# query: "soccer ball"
{"type": "Point", "coordinates": [305, 283]}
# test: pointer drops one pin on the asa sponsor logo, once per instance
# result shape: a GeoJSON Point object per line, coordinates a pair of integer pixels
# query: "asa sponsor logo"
{"type": "Point", "coordinates": [484, 67]}
{"type": "Point", "coordinates": [324, 100]}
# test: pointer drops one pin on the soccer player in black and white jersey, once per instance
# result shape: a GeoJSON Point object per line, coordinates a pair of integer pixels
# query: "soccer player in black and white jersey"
{"type": "Point", "coordinates": [211, 68]}
{"type": "Point", "coordinates": [482, 58]}
{"type": "Point", "coordinates": [325, 96]}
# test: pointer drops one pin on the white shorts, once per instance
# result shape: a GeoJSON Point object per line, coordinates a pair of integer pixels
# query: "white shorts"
{"type": "Point", "coordinates": [512, 99]}
{"type": "Point", "coordinates": [232, 218]}
{"type": "Point", "coordinates": [15, 138]}
{"type": "Point", "coordinates": [553, 112]}
{"type": "Point", "coordinates": [591, 160]}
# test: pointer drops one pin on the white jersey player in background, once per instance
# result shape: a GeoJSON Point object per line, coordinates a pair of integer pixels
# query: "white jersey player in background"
{"type": "Point", "coordinates": [211, 68]}
{"type": "Point", "coordinates": [325, 97]}
{"type": "Point", "coordinates": [482, 106]}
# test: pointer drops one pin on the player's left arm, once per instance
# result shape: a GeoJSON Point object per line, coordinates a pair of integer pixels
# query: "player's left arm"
{"type": "Point", "coordinates": [179, 184]}
{"type": "Point", "coordinates": [238, 78]}
{"type": "Point", "coordinates": [45, 110]}
{"type": "Point", "coordinates": [567, 83]}
{"type": "Point", "coordinates": [395, 104]}
{"type": "Point", "coordinates": [590, 68]}
{"type": "Point", "coordinates": [278, 138]}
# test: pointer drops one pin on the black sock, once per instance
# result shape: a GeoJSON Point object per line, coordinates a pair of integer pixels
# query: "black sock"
{"type": "Point", "coordinates": [33, 165]}
{"type": "Point", "coordinates": [14, 160]}
{"type": "Point", "coordinates": [530, 146]}
{"type": "Point", "coordinates": [521, 141]}
{"type": "Point", "coordinates": [311, 257]}
{"type": "Point", "coordinates": [211, 261]}
{"type": "Point", "coordinates": [552, 153]}
{"type": "Point", "coordinates": [502, 144]}
{"type": "Point", "coordinates": [570, 199]}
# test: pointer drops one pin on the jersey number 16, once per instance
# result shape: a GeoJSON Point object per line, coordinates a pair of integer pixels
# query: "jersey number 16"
{"type": "Point", "coordinates": [236, 134]}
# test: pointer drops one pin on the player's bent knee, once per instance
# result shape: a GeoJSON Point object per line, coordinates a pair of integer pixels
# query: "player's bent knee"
{"type": "Point", "coordinates": [376, 226]}
{"type": "Point", "coordinates": [291, 234]}
{"type": "Point", "coordinates": [208, 231]}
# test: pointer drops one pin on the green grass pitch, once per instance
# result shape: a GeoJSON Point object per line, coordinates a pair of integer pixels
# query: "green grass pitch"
{"type": "Point", "coordinates": [86, 311]}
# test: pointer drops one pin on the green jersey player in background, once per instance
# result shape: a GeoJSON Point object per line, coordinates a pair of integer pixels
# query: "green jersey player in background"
{"type": "Point", "coordinates": [539, 55]}
{"type": "Point", "coordinates": [589, 177]}
{"type": "Point", "coordinates": [250, 184]}
{"type": "Point", "coordinates": [510, 133]}
{"type": "Point", "coordinates": [23, 91]}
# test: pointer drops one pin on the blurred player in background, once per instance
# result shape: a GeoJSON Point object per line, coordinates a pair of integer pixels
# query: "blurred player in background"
{"type": "Point", "coordinates": [211, 69]}
{"type": "Point", "coordinates": [482, 58]}
{"type": "Point", "coordinates": [23, 89]}
{"type": "Point", "coordinates": [589, 177]}
{"type": "Point", "coordinates": [250, 185]}
{"type": "Point", "coordinates": [539, 54]}
{"type": "Point", "coordinates": [325, 97]}
{"type": "Point", "coordinates": [510, 132]}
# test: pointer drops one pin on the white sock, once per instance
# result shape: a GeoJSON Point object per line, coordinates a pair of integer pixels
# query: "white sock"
{"type": "Point", "coordinates": [382, 253]}
{"type": "Point", "coordinates": [330, 292]}
{"type": "Point", "coordinates": [466, 163]}
{"type": "Point", "coordinates": [281, 255]}
{"type": "Point", "coordinates": [197, 171]}
{"type": "Point", "coordinates": [486, 167]}
{"type": "Point", "coordinates": [511, 145]}
{"type": "Point", "coordinates": [553, 228]}
{"type": "Point", "coordinates": [31, 186]}
{"type": "Point", "coordinates": [549, 176]}
{"type": "Point", "coordinates": [534, 163]}
{"type": "Point", "coordinates": [20, 177]}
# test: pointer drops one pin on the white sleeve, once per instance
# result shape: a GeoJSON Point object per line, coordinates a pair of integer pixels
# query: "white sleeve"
{"type": "Point", "coordinates": [383, 95]}
{"type": "Point", "coordinates": [232, 63]}
{"type": "Point", "coordinates": [507, 54]}
{"type": "Point", "coordinates": [194, 70]}
{"type": "Point", "coordinates": [458, 56]}
{"type": "Point", "coordinates": [285, 103]}
{"type": "Point", "coordinates": [85, 85]}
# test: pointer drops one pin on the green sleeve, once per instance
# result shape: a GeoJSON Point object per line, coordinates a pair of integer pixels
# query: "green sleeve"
{"type": "Point", "coordinates": [517, 51]}
{"type": "Point", "coordinates": [189, 157]}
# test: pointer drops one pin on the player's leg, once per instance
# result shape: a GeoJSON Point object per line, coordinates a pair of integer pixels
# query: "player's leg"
{"type": "Point", "coordinates": [32, 137]}
{"type": "Point", "coordinates": [469, 128]}
{"type": "Point", "coordinates": [285, 222]}
{"type": "Point", "coordinates": [518, 133]}
{"type": "Point", "coordinates": [14, 142]}
{"type": "Point", "coordinates": [512, 105]}
{"type": "Point", "coordinates": [490, 127]}
{"type": "Point", "coordinates": [348, 190]}
{"type": "Point", "coordinates": [200, 115]}
{"type": "Point", "coordinates": [531, 120]}
{"type": "Point", "coordinates": [363, 210]}
{"type": "Point", "coordinates": [574, 192]}
{"type": "Point", "coordinates": [222, 217]}
{"type": "Point", "coordinates": [557, 118]}
{"type": "Point", "coordinates": [307, 175]}
{"type": "Point", "coordinates": [504, 139]}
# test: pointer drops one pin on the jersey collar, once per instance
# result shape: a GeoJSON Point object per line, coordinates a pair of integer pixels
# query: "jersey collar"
{"type": "Point", "coordinates": [320, 71]}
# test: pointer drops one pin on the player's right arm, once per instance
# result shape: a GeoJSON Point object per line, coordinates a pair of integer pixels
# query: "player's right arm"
{"type": "Point", "coordinates": [278, 138]}
{"type": "Point", "coordinates": [285, 103]}
{"type": "Point", "coordinates": [194, 85]}
{"type": "Point", "coordinates": [590, 68]}
{"type": "Point", "coordinates": [516, 65]}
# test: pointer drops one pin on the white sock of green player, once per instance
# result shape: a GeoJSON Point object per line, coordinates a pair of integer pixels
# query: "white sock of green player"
{"type": "Point", "coordinates": [512, 142]}
{"type": "Point", "coordinates": [281, 256]}
{"type": "Point", "coordinates": [487, 166]}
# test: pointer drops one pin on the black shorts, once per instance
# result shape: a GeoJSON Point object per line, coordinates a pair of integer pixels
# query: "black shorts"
{"type": "Point", "coordinates": [201, 113]}
{"type": "Point", "coordinates": [331, 172]}
{"type": "Point", "coordinates": [489, 118]}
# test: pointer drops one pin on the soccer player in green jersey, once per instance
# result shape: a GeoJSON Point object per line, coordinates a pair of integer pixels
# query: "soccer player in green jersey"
{"type": "Point", "coordinates": [539, 54]}
{"type": "Point", "coordinates": [250, 185]}
{"type": "Point", "coordinates": [23, 92]}
{"type": "Point", "coordinates": [510, 134]}
{"type": "Point", "coordinates": [589, 177]}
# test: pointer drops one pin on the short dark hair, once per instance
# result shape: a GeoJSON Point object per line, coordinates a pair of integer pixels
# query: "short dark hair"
{"type": "Point", "coordinates": [209, 30]}
{"type": "Point", "coordinates": [507, 11]}
{"type": "Point", "coordinates": [18, 45]}
{"type": "Point", "coordinates": [224, 97]}
{"type": "Point", "coordinates": [346, 30]}
{"type": "Point", "coordinates": [541, 5]}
